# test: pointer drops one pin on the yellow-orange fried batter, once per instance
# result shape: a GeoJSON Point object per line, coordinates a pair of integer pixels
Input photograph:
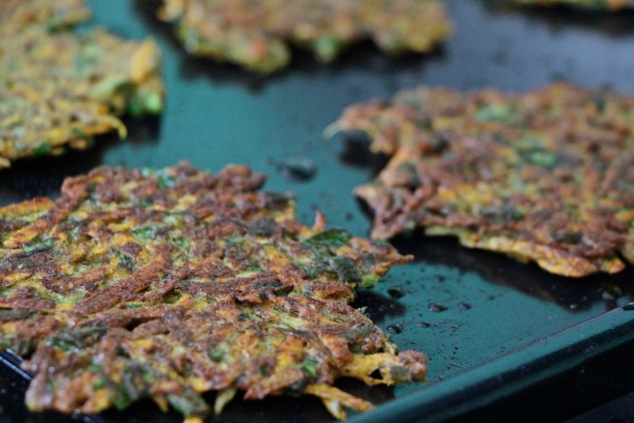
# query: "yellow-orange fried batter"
{"type": "Point", "coordinates": [256, 34]}
{"type": "Point", "coordinates": [60, 88]}
{"type": "Point", "coordinates": [174, 282]}
{"type": "Point", "coordinates": [544, 176]}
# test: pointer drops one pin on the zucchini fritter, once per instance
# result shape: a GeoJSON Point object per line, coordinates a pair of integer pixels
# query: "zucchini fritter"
{"type": "Point", "coordinates": [584, 4]}
{"type": "Point", "coordinates": [545, 176]}
{"type": "Point", "coordinates": [170, 283]}
{"type": "Point", "coordinates": [254, 33]}
{"type": "Point", "coordinates": [60, 87]}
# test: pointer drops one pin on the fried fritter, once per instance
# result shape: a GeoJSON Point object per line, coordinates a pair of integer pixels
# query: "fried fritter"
{"type": "Point", "coordinates": [585, 4]}
{"type": "Point", "coordinates": [59, 88]}
{"type": "Point", "coordinates": [545, 176]}
{"type": "Point", "coordinates": [171, 283]}
{"type": "Point", "coordinates": [255, 33]}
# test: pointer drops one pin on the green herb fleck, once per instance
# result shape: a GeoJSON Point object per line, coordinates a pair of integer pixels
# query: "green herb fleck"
{"type": "Point", "coordinates": [74, 340]}
{"type": "Point", "coordinates": [543, 158]}
{"type": "Point", "coordinates": [102, 382]}
{"type": "Point", "coordinates": [78, 133]}
{"type": "Point", "coordinates": [143, 232]}
{"type": "Point", "coordinates": [309, 366]}
{"type": "Point", "coordinates": [327, 48]}
{"type": "Point", "coordinates": [166, 181]}
{"type": "Point", "coordinates": [189, 403]}
{"type": "Point", "coordinates": [38, 247]}
{"type": "Point", "coordinates": [181, 242]}
{"type": "Point", "coordinates": [332, 238]}
{"type": "Point", "coordinates": [124, 261]}
{"type": "Point", "coordinates": [599, 102]}
{"type": "Point", "coordinates": [154, 103]}
{"type": "Point", "coordinates": [345, 269]}
{"type": "Point", "coordinates": [42, 149]}
{"type": "Point", "coordinates": [368, 281]}
{"type": "Point", "coordinates": [122, 398]}
{"type": "Point", "coordinates": [494, 112]}
{"type": "Point", "coordinates": [216, 355]}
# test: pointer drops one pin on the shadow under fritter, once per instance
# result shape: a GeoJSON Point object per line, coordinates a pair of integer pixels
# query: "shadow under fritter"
{"type": "Point", "coordinates": [377, 307]}
{"type": "Point", "coordinates": [356, 153]}
{"type": "Point", "coordinates": [612, 23]}
{"type": "Point", "coordinates": [570, 293]}
{"type": "Point", "coordinates": [43, 176]}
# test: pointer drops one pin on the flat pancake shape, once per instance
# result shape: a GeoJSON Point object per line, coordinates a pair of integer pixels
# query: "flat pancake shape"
{"type": "Point", "coordinates": [171, 283]}
{"type": "Point", "coordinates": [255, 33]}
{"type": "Point", "coordinates": [584, 4]}
{"type": "Point", "coordinates": [544, 176]}
{"type": "Point", "coordinates": [60, 87]}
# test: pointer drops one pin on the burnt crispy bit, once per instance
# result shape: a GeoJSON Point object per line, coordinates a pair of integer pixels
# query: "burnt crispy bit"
{"type": "Point", "coordinates": [584, 4]}
{"type": "Point", "coordinates": [543, 176]}
{"type": "Point", "coordinates": [60, 88]}
{"type": "Point", "coordinates": [174, 282]}
{"type": "Point", "coordinates": [255, 34]}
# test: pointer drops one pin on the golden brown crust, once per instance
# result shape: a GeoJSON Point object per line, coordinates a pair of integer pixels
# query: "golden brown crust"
{"type": "Point", "coordinates": [544, 176]}
{"type": "Point", "coordinates": [170, 283]}
{"type": "Point", "coordinates": [59, 88]}
{"type": "Point", "coordinates": [254, 34]}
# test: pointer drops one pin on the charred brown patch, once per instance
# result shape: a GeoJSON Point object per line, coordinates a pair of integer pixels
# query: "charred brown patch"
{"type": "Point", "coordinates": [542, 176]}
{"type": "Point", "coordinates": [173, 282]}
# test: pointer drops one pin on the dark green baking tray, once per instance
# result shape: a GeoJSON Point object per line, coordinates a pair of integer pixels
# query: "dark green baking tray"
{"type": "Point", "coordinates": [504, 339]}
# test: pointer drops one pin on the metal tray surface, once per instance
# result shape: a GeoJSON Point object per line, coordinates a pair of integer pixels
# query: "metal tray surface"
{"type": "Point", "coordinates": [491, 327]}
